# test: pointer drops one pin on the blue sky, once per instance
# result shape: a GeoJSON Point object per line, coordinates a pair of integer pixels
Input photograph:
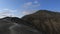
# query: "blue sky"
{"type": "Point", "coordinates": [20, 8]}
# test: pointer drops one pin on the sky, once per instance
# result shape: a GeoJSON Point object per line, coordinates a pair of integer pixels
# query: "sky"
{"type": "Point", "coordinates": [19, 8]}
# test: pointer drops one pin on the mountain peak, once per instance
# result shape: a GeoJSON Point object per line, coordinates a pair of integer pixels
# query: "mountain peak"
{"type": "Point", "coordinates": [44, 11]}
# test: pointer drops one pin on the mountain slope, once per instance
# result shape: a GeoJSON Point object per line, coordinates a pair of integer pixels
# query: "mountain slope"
{"type": "Point", "coordinates": [46, 21]}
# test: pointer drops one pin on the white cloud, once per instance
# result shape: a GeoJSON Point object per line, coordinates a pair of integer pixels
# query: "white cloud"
{"type": "Point", "coordinates": [36, 2]}
{"type": "Point", "coordinates": [25, 12]}
{"type": "Point", "coordinates": [36, 5]}
{"type": "Point", "coordinates": [10, 10]}
{"type": "Point", "coordinates": [27, 4]}
{"type": "Point", "coordinates": [31, 4]}
{"type": "Point", "coordinates": [0, 10]}
{"type": "Point", "coordinates": [7, 12]}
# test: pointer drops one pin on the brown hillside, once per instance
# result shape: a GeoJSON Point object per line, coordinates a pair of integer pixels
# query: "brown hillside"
{"type": "Point", "coordinates": [46, 21]}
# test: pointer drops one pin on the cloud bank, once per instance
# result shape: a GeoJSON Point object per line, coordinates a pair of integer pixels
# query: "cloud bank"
{"type": "Point", "coordinates": [7, 12]}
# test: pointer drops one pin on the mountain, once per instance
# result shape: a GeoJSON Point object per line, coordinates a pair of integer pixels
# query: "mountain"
{"type": "Point", "coordinates": [7, 26]}
{"type": "Point", "coordinates": [17, 20]}
{"type": "Point", "coordinates": [44, 20]}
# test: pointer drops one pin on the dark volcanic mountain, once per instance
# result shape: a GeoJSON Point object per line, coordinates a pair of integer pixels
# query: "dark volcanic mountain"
{"type": "Point", "coordinates": [46, 21]}
{"type": "Point", "coordinates": [7, 26]}
{"type": "Point", "coordinates": [17, 20]}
